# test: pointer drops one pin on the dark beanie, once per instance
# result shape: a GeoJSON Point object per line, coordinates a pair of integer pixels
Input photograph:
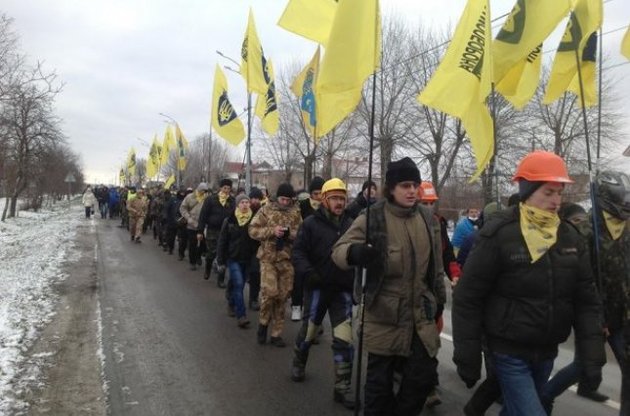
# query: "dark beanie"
{"type": "Point", "coordinates": [256, 193]}
{"type": "Point", "coordinates": [568, 210]}
{"type": "Point", "coordinates": [225, 182]}
{"type": "Point", "coordinates": [513, 200]}
{"type": "Point", "coordinates": [527, 188]}
{"type": "Point", "coordinates": [401, 171]}
{"type": "Point", "coordinates": [316, 184]}
{"type": "Point", "coordinates": [368, 184]}
{"type": "Point", "coordinates": [286, 190]}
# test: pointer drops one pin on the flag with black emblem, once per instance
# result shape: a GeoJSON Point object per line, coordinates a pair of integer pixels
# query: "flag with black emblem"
{"type": "Point", "coordinates": [131, 162]}
{"type": "Point", "coordinates": [267, 105]}
{"type": "Point", "coordinates": [182, 148]}
{"type": "Point", "coordinates": [168, 144]}
{"type": "Point", "coordinates": [460, 85]}
{"type": "Point", "coordinates": [121, 176]}
{"type": "Point", "coordinates": [153, 160]}
{"type": "Point", "coordinates": [253, 63]}
{"type": "Point", "coordinates": [516, 51]}
{"type": "Point", "coordinates": [224, 119]}
{"type": "Point", "coordinates": [584, 21]}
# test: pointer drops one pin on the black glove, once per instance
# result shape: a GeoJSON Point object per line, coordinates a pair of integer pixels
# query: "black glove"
{"type": "Point", "coordinates": [466, 378]}
{"type": "Point", "coordinates": [361, 254]}
{"type": "Point", "coordinates": [312, 281]}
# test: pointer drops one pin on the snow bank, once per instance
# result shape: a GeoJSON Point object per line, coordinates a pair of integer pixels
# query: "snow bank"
{"type": "Point", "coordinates": [32, 250]}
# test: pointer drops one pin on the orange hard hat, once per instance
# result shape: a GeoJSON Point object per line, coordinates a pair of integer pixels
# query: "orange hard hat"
{"type": "Point", "coordinates": [541, 166]}
{"type": "Point", "coordinates": [426, 192]}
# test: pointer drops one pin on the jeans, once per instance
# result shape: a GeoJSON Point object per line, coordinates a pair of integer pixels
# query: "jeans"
{"type": "Point", "coordinates": [103, 207]}
{"type": "Point", "coordinates": [521, 382]}
{"type": "Point", "coordinates": [238, 273]}
{"type": "Point", "coordinates": [618, 344]}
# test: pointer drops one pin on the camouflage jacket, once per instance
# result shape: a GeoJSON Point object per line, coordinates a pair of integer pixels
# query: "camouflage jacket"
{"type": "Point", "coordinates": [615, 274]}
{"type": "Point", "coordinates": [262, 229]}
{"type": "Point", "coordinates": [137, 207]}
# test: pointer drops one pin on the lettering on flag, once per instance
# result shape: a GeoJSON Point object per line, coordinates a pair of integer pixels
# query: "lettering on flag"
{"type": "Point", "coordinates": [472, 58]}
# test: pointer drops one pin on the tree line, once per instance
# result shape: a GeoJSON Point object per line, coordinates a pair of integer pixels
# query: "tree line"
{"type": "Point", "coordinates": [35, 157]}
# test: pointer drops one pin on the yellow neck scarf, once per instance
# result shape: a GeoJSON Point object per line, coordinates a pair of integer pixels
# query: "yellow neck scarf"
{"type": "Point", "coordinates": [615, 225]}
{"type": "Point", "coordinates": [242, 217]}
{"type": "Point", "coordinates": [539, 228]}
{"type": "Point", "coordinates": [223, 197]}
{"type": "Point", "coordinates": [314, 203]}
{"type": "Point", "coordinates": [200, 196]}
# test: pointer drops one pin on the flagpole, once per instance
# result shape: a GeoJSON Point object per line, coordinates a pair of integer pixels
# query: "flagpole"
{"type": "Point", "coordinates": [592, 182]}
{"type": "Point", "coordinates": [357, 398]}
{"type": "Point", "coordinates": [248, 147]}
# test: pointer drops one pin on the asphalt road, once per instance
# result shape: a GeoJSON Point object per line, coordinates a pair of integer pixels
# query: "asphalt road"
{"type": "Point", "coordinates": [170, 348]}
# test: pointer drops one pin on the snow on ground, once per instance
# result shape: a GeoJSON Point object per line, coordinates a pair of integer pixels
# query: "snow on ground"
{"type": "Point", "coordinates": [32, 250]}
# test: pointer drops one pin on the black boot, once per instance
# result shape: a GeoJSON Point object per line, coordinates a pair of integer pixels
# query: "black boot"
{"type": "Point", "coordinates": [261, 335]}
{"type": "Point", "coordinates": [299, 364]}
{"type": "Point", "coordinates": [343, 380]}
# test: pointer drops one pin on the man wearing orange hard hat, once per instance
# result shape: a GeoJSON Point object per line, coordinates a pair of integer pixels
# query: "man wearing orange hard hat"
{"type": "Point", "coordinates": [526, 283]}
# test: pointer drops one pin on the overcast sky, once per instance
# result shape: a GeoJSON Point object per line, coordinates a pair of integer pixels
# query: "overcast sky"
{"type": "Point", "coordinates": [123, 62]}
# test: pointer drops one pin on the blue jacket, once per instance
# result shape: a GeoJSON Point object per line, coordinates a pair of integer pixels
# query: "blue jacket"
{"type": "Point", "coordinates": [464, 228]}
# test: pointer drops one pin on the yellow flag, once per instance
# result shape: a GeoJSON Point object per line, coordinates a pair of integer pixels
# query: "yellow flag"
{"type": "Point", "coordinates": [463, 80]}
{"type": "Point", "coordinates": [169, 182]}
{"type": "Point", "coordinates": [625, 44]}
{"type": "Point", "coordinates": [153, 161]}
{"type": "Point", "coordinates": [311, 19]}
{"type": "Point", "coordinates": [267, 106]}
{"type": "Point", "coordinates": [131, 162]}
{"type": "Point", "coordinates": [527, 26]}
{"type": "Point", "coordinates": [121, 176]}
{"type": "Point", "coordinates": [585, 20]}
{"type": "Point", "coordinates": [182, 147]}
{"type": "Point", "coordinates": [303, 88]}
{"type": "Point", "coordinates": [167, 145]}
{"type": "Point", "coordinates": [224, 119]}
{"type": "Point", "coordinates": [253, 63]}
{"type": "Point", "coordinates": [353, 54]}
{"type": "Point", "coordinates": [588, 68]}
{"type": "Point", "coordinates": [520, 83]}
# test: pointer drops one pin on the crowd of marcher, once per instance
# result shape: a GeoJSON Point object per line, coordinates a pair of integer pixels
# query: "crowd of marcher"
{"type": "Point", "coordinates": [523, 277]}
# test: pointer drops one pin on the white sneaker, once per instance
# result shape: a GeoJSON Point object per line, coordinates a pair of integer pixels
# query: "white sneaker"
{"type": "Point", "coordinates": [296, 313]}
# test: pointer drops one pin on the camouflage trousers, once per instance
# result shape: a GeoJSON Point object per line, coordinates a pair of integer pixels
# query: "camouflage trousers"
{"type": "Point", "coordinates": [276, 282]}
{"type": "Point", "coordinates": [135, 226]}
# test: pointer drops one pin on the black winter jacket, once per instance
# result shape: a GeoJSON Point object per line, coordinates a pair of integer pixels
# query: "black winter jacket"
{"type": "Point", "coordinates": [235, 243]}
{"type": "Point", "coordinates": [355, 207]}
{"type": "Point", "coordinates": [172, 211]}
{"type": "Point", "coordinates": [312, 248]}
{"type": "Point", "coordinates": [213, 213]}
{"type": "Point", "coordinates": [525, 309]}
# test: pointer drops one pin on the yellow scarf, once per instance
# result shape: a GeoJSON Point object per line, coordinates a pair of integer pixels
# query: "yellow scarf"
{"type": "Point", "coordinates": [615, 225]}
{"type": "Point", "coordinates": [223, 197]}
{"type": "Point", "coordinates": [200, 196]}
{"type": "Point", "coordinates": [242, 217]}
{"type": "Point", "coordinates": [539, 228]}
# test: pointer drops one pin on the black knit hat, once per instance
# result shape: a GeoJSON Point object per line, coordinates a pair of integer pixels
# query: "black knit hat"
{"type": "Point", "coordinates": [368, 184]}
{"type": "Point", "coordinates": [286, 190]}
{"type": "Point", "coordinates": [256, 193]}
{"type": "Point", "coordinates": [225, 182]}
{"type": "Point", "coordinates": [401, 171]}
{"type": "Point", "coordinates": [568, 210]}
{"type": "Point", "coordinates": [316, 184]}
{"type": "Point", "coordinates": [527, 188]}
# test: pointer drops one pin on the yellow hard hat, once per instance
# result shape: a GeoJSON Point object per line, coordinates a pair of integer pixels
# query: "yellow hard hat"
{"type": "Point", "coordinates": [334, 184]}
